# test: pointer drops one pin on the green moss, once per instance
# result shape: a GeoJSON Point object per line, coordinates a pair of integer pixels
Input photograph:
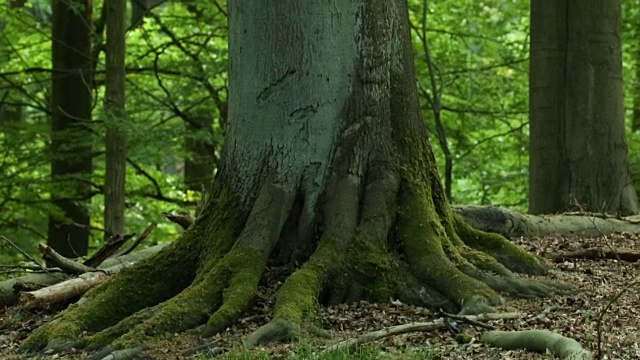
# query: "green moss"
{"type": "Point", "coordinates": [150, 282]}
{"type": "Point", "coordinates": [245, 267]}
{"type": "Point", "coordinates": [512, 256]}
{"type": "Point", "coordinates": [464, 338]}
{"type": "Point", "coordinates": [422, 235]}
{"type": "Point", "coordinates": [55, 335]}
{"type": "Point", "coordinates": [485, 262]}
{"type": "Point", "coordinates": [297, 299]}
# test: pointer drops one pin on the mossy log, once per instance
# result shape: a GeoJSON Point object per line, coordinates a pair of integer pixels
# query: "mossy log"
{"type": "Point", "coordinates": [539, 341]}
{"type": "Point", "coordinates": [512, 224]}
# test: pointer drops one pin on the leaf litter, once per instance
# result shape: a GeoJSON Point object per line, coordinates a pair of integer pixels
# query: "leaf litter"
{"type": "Point", "coordinates": [575, 316]}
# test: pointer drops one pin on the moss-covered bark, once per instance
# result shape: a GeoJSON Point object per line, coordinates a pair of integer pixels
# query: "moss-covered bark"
{"type": "Point", "coordinates": [359, 200]}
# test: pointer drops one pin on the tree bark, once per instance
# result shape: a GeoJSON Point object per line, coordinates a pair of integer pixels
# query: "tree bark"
{"type": "Point", "coordinates": [116, 152]}
{"type": "Point", "coordinates": [578, 150]}
{"type": "Point", "coordinates": [326, 174]}
{"type": "Point", "coordinates": [71, 139]}
{"type": "Point", "coordinates": [200, 162]}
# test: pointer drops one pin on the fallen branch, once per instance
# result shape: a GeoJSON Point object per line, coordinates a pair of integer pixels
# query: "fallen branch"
{"type": "Point", "coordinates": [24, 253]}
{"type": "Point", "coordinates": [415, 327]}
{"type": "Point", "coordinates": [596, 254]}
{"type": "Point", "coordinates": [110, 247]}
{"type": "Point", "coordinates": [184, 220]}
{"type": "Point", "coordinates": [9, 297]}
{"type": "Point", "coordinates": [66, 265]}
{"type": "Point", "coordinates": [538, 341]}
{"type": "Point", "coordinates": [68, 290]}
{"type": "Point", "coordinates": [140, 239]}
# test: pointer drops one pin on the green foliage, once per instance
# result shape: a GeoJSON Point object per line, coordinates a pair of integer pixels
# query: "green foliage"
{"type": "Point", "coordinates": [176, 70]}
{"type": "Point", "coordinates": [479, 52]}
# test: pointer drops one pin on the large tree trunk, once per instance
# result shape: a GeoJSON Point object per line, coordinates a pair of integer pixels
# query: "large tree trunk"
{"type": "Point", "coordinates": [71, 140]}
{"type": "Point", "coordinates": [116, 152]}
{"type": "Point", "coordinates": [326, 163]}
{"type": "Point", "coordinates": [578, 147]}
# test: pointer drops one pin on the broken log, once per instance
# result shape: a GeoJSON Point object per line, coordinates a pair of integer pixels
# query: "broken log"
{"type": "Point", "coordinates": [68, 290]}
{"type": "Point", "coordinates": [8, 296]}
{"type": "Point", "coordinates": [68, 266]}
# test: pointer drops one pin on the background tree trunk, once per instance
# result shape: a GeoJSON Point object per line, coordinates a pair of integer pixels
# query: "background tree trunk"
{"type": "Point", "coordinates": [635, 119]}
{"type": "Point", "coordinates": [200, 161]}
{"type": "Point", "coordinates": [71, 140]}
{"type": "Point", "coordinates": [578, 147]}
{"type": "Point", "coordinates": [114, 186]}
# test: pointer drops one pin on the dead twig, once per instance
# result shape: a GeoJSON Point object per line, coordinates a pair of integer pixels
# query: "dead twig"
{"type": "Point", "coordinates": [140, 239]}
{"type": "Point", "coordinates": [109, 249]}
{"type": "Point", "coordinates": [184, 220]}
{"type": "Point", "coordinates": [67, 265]}
{"type": "Point", "coordinates": [24, 253]}
{"type": "Point", "coordinates": [467, 320]}
{"type": "Point", "coordinates": [415, 327]}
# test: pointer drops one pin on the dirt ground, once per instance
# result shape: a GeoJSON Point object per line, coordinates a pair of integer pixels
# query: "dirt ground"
{"type": "Point", "coordinates": [575, 316]}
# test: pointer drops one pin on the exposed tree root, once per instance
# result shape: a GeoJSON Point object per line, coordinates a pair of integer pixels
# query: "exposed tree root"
{"type": "Point", "coordinates": [538, 341]}
{"type": "Point", "coordinates": [118, 298]}
{"type": "Point", "coordinates": [435, 263]}
{"type": "Point", "coordinates": [136, 289]}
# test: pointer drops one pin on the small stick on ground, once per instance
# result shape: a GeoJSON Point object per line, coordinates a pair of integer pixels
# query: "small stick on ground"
{"type": "Point", "coordinates": [597, 254]}
{"type": "Point", "coordinates": [467, 320]}
{"type": "Point", "coordinates": [415, 327]}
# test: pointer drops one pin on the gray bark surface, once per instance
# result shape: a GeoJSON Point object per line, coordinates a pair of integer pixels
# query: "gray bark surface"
{"type": "Point", "coordinates": [578, 148]}
{"type": "Point", "coordinates": [200, 162]}
{"type": "Point", "coordinates": [287, 69]}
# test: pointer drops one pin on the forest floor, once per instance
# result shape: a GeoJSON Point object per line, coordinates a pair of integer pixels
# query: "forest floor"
{"type": "Point", "coordinates": [574, 316]}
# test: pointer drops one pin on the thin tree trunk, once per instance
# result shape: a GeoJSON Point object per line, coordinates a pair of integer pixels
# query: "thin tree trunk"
{"type": "Point", "coordinates": [71, 139]}
{"type": "Point", "coordinates": [200, 161]}
{"type": "Point", "coordinates": [114, 189]}
{"type": "Point", "coordinates": [635, 120]}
